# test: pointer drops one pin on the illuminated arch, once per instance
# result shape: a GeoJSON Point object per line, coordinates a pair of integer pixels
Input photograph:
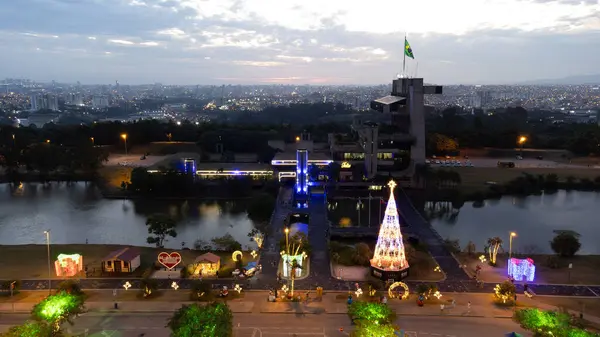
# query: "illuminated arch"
{"type": "Point", "coordinates": [396, 285]}
{"type": "Point", "coordinates": [236, 254]}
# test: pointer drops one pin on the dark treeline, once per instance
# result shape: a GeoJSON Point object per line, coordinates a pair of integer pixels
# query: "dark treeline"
{"type": "Point", "coordinates": [503, 128]}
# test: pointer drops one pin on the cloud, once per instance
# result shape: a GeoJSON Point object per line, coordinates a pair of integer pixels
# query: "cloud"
{"type": "Point", "coordinates": [122, 42]}
{"type": "Point", "coordinates": [294, 41]}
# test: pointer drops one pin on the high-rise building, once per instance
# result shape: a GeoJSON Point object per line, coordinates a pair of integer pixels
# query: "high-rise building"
{"type": "Point", "coordinates": [43, 101]}
{"type": "Point", "coordinates": [100, 102]}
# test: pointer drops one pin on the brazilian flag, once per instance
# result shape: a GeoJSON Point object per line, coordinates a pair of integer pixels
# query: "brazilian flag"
{"type": "Point", "coordinates": [408, 50]}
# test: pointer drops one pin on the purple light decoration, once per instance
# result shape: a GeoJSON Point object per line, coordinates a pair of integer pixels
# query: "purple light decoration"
{"type": "Point", "coordinates": [521, 269]}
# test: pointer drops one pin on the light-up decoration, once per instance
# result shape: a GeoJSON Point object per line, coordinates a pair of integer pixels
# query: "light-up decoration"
{"type": "Point", "coordinates": [285, 288]}
{"type": "Point", "coordinates": [437, 269]}
{"type": "Point", "coordinates": [302, 172]}
{"type": "Point", "coordinates": [259, 239]}
{"type": "Point", "coordinates": [237, 288]}
{"type": "Point", "coordinates": [169, 260]}
{"type": "Point", "coordinates": [346, 165]}
{"type": "Point", "coordinates": [521, 269]}
{"type": "Point", "coordinates": [394, 294]}
{"type": "Point", "coordinates": [294, 162]}
{"type": "Point", "coordinates": [254, 254]}
{"type": "Point", "coordinates": [389, 252]}
{"type": "Point", "coordinates": [437, 294]}
{"type": "Point", "coordinates": [174, 285]}
{"type": "Point", "coordinates": [482, 258]}
{"type": "Point", "coordinates": [68, 265]}
{"type": "Point", "coordinates": [358, 292]}
{"type": "Point", "coordinates": [288, 262]}
{"type": "Point", "coordinates": [237, 254]}
{"type": "Point", "coordinates": [127, 285]}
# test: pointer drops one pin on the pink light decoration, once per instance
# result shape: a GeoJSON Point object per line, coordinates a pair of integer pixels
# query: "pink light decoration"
{"type": "Point", "coordinates": [521, 269]}
{"type": "Point", "coordinates": [389, 251]}
{"type": "Point", "coordinates": [68, 265]}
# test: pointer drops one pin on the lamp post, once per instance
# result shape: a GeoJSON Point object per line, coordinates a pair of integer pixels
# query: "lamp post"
{"type": "Point", "coordinates": [124, 136]}
{"type": "Point", "coordinates": [49, 268]}
{"type": "Point", "coordinates": [93, 141]}
{"type": "Point", "coordinates": [512, 235]}
{"type": "Point", "coordinates": [522, 141]}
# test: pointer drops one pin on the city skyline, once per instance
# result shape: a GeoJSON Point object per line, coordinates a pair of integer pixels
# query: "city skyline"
{"type": "Point", "coordinates": [297, 42]}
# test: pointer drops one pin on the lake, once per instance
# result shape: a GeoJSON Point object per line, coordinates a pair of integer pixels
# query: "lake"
{"type": "Point", "coordinates": [78, 212]}
{"type": "Point", "coordinates": [533, 218]}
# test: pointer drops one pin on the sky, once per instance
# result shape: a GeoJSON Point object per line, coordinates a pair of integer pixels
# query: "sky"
{"type": "Point", "coordinates": [297, 41]}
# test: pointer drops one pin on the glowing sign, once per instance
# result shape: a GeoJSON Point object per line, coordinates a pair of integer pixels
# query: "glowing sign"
{"type": "Point", "coordinates": [237, 254]}
{"type": "Point", "coordinates": [68, 265]}
{"type": "Point", "coordinates": [521, 269]}
{"type": "Point", "coordinates": [346, 165]}
{"type": "Point", "coordinates": [169, 260]}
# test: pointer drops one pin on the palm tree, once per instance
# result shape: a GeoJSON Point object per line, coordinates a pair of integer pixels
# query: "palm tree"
{"type": "Point", "coordinates": [494, 245]}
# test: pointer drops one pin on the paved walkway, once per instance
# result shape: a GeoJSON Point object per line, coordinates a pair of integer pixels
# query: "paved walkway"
{"type": "Point", "coordinates": [256, 302]}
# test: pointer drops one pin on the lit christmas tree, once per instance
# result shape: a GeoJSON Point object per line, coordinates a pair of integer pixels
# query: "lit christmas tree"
{"type": "Point", "coordinates": [389, 261]}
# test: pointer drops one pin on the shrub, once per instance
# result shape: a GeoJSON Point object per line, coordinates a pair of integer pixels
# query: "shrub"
{"type": "Point", "coordinates": [360, 311]}
{"type": "Point", "coordinates": [201, 291]}
{"type": "Point", "coordinates": [70, 287]}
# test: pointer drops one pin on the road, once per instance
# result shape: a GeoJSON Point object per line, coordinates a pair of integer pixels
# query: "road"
{"type": "Point", "coordinates": [283, 325]}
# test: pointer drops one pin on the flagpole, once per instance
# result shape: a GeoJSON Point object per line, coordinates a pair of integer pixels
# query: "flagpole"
{"type": "Point", "coordinates": [404, 58]}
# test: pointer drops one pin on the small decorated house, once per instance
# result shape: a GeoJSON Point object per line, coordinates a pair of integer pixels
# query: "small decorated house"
{"type": "Point", "coordinates": [206, 265]}
{"type": "Point", "coordinates": [124, 260]}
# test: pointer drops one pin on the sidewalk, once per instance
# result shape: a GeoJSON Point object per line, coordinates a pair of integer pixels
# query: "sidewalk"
{"type": "Point", "coordinates": [256, 302]}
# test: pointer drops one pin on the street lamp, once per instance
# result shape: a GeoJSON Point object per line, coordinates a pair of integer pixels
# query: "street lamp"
{"type": "Point", "coordinates": [49, 268]}
{"type": "Point", "coordinates": [124, 136]}
{"type": "Point", "coordinates": [287, 244]}
{"type": "Point", "coordinates": [93, 142]}
{"type": "Point", "coordinates": [522, 141]}
{"type": "Point", "coordinates": [512, 235]}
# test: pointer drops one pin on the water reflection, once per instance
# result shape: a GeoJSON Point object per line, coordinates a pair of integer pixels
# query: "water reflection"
{"type": "Point", "coordinates": [77, 212]}
{"type": "Point", "coordinates": [534, 218]}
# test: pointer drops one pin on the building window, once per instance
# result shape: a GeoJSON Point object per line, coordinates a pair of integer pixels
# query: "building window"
{"type": "Point", "coordinates": [385, 155]}
{"type": "Point", "coordinates": [354, 156]}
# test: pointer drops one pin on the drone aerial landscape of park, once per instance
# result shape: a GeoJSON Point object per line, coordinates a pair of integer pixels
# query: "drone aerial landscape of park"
{"type": "Point", "coordinates": [227, 168]}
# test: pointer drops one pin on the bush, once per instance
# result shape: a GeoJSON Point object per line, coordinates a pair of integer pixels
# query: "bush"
{"type": "Point", "coordinates": [149, 287]}
{"type": "Point", "coordinates": [201, 291]}
{"type": "Point", "coordinates": [362, 254]}
{"type": "Point", "coordinates": [549, 323]}
{"type": "Point", "coordinates": [360, 311]}
{"type": "Point", "coordinates": [70, 287]}
{"type": "Point", "coordinates": [226, 243]}
{"type": "Point", "coordinates": [565, 244]}
{"type": "Point", "coordinates": [213, 319]}
{"type": "Point", "coordinates": [505, 292]}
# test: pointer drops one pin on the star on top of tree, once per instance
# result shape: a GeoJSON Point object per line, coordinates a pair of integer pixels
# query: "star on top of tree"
{"type": "Point", "coordinates": [392, 185]}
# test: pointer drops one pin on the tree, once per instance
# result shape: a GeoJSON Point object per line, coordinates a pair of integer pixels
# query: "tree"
{"type": "Point", "coordinates": [505, 291]}
{"type": "Point", "coordinates": [380, 313]}
{"type": "Point", "coordinates": [441, 144]}
{"type": "Point", "coordinates": [494, 245]}
{"type": "Point", "coordinates": [257, 236]}
{"type": "Point", "coordinates": [362, 254]}
{"type": "Point", "coordinates": [226, 243]}
{"type": "Point", "coordinates": [160, 226]}
{"type": "Point", "coordinates": [31, 329]}
{"type": "Point", "coordinates": [194, 320]}
{"type": "Point", "coordinates": [565, 244]}
{"type": "Point", "coordinates": [57, 309]}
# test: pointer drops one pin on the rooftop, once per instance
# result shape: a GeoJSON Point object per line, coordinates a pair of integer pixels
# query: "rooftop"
{"type": "Point", "coordinates": [292, 156]}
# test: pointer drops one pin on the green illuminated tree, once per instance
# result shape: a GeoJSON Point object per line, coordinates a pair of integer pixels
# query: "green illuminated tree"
{"type": "Point", "coordinates": [57, 309]}
{"type": "Point", "coordinates": [370, 329]}
{"type": "Point", "coordinates": [30, 329]}
{"type": "Point", "coordinates": [213, 319]}
{"type": "Point", "coordinates": [373, 312]}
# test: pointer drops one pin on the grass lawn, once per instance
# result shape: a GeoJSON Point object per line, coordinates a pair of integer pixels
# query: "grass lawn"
{"type": "Point", "coordinates": [474, 178]}
{"type": "Point", "coordinates": [584, 271]}
{"type": "Point", "coordinates": [422, 264]}
{"type": "Point", "coordinates": [31, 261]}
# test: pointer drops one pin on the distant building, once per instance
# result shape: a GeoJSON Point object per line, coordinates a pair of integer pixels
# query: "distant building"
{"type": "Point", "coordinates": [74, 99]}
{"type": "Point", "coordinates": [43, 102]}
{"type": "Point", "coordinates": [99, 102]}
